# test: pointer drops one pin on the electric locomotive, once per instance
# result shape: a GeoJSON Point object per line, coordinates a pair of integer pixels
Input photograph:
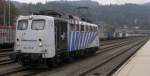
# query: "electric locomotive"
{"type": "Point", "coordinates": [42, 39]}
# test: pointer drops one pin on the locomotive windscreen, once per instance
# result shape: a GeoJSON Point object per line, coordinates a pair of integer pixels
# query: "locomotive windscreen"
{"type": "Point", "coordinates": [38, 24]}
{"type": "Point", "coordinates": [22, 25]}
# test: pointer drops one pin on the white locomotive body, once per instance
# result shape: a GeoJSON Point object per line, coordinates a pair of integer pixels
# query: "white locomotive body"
{"type": "Point", "coordinates": [46, 39]}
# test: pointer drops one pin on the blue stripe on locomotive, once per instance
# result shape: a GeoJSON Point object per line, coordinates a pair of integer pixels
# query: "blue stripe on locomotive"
{"type": "Point", "coordinates": [80, 40]}
{"type": "Point", "coordinates": [69, 40]}
{"type": "Point", "coordinates": [76, 40]}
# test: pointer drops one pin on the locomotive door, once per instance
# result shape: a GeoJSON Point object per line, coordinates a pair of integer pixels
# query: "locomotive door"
{"type": "Point", "coordinates": [61, 35]}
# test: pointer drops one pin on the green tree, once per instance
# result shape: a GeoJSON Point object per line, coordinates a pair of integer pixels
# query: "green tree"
{"type": "Point", "coordinates": [4, 12]}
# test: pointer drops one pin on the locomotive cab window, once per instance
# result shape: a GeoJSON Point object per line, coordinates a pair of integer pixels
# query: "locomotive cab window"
{"type": "Point", "coordinates": [82, 27]}
{"type": "Point", "coordinates": [22, 25]}
{"type": "Point", "coordinates": [38, 24]}
{"type": "Point", "coordinates": [91, 29]}
{"type": "Point", "coordinates": [77, 27]}
{"type": "Point", "coordinates": [72, 27]}
{"type": "Point", "coordinates": [86, 27]}
{"type": "Point", "coordinates": [95, 29]}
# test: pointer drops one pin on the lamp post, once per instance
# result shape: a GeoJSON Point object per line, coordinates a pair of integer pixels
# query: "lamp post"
{"type": "Point", "coordinates": [9, 22]}
{"type": "Point", "coordinates": [9, 12]}
{"type": "Point", "coordinates": [4, 13]}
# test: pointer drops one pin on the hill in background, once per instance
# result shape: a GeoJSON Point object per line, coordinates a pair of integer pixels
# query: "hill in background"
{"type": "Point", "coordinates": [130, 15]}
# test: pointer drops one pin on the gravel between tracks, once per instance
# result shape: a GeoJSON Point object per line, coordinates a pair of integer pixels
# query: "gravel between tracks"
{"type": "Point", "coordinates": [108, 67]}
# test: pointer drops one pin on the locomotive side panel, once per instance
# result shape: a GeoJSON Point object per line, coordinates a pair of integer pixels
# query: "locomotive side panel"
{"type": "Point", "coordinates": [82, 36]}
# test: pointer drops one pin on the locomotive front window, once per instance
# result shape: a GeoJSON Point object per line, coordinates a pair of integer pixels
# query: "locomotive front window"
{"type": "Point", "coordinates": [38, 24]}
{"type": "Point", "coordinates": [22, 25]}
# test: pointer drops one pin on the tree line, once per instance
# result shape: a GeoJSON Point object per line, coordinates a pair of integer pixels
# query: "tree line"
{"type": "Point", "coordinates": [130, 15]}
{"type": "Point", "coordinates": [5, 17]}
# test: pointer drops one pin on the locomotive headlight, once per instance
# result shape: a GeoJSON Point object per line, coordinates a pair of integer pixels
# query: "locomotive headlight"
{"type": "Point", "coordinates": [40, 44]}
{"type": "Point", "coordinates": [17, 43]}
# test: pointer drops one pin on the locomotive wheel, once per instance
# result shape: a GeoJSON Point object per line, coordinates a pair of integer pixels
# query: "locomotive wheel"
{"type": "Point", "coordinates": [87, 52]}
{"type": "Point", "coordinates": [68, 58]}
{"type": "Point", "coordinates": [55, 61]}
{"type": "Point", "coordinates": [82, 53]}
{"type": "Point", "coordinates": [94, 51]}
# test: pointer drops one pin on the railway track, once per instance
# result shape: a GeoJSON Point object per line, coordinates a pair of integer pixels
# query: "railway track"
{"type": "Point", "coordinates": [77, 68]}
{"type": "Point", "coordinates": [107, 42]}
{"type": "Point", "coordinates": [4, 50]}
{"type": "Point", "coordinates": [103, 68]}
{"type": "Point", "coordinates": [64, 70]}
{"type": "Point", "coordinates": [4, 56]}
{"type": "Point", "coordinates": [11, 69]}
{"type": "Point", "coordinates": [114, 45]}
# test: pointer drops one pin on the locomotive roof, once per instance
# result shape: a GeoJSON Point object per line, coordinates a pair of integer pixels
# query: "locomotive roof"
{"type": "Point", "coordinates": [63, 19]}
{"type": "Point", "coordinates": [73, 21]}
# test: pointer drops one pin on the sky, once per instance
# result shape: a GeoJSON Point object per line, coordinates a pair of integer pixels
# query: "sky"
{"type": "Point", "coordinates": [100, 1]}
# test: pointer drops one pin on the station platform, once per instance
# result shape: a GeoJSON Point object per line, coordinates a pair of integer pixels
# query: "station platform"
{"type": "Point", "coordinates": [137, 65]}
